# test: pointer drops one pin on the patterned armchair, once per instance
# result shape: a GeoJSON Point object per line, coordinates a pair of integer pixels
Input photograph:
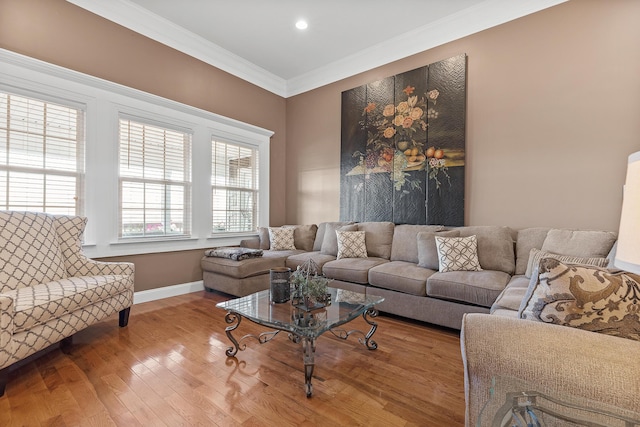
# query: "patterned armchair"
{"type": "Point", "coordinates": [48, 288]}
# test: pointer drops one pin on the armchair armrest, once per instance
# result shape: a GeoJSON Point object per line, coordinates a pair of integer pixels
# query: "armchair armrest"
{"type": "Point", "coordinates": [6, 330]}
{"type": "Point", "coordinates": [559, 360]}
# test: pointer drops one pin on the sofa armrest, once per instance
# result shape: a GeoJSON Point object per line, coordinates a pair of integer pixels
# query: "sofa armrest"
{"type": "Point", "coordinates": [253, 243]}
{"type": "Point", "coordinates": [559, 360]}
{"type": "Point", "coordinates": [6, 329]}
{"type": "Point", "coordinates": [83, 266]}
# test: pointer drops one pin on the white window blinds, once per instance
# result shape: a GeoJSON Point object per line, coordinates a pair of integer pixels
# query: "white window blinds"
{"type": "Point", "coordinates": [41, 156]}
{"type": "Point", "coordinates": [155, 180]}
{"type": "Point", "coordinates": [234, 186]}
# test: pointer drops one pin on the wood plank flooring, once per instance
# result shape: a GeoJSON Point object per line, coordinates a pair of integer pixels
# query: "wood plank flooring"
{"type": "Point", "coordinates": [168, 368]}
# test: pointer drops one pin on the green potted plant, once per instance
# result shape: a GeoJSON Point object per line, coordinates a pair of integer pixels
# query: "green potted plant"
{"type": "Point", "coordinates": [308, 288]}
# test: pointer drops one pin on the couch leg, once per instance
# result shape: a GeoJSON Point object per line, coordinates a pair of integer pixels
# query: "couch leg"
{"type": "Point", "coordinates": [4, 376]}
{"type": "Point", "coordinates": [124, 317]}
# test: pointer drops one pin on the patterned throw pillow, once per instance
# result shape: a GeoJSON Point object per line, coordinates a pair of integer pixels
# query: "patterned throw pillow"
{"type": "Point", "coordinates": [351, 244]}
{"type": "Point", "coordinates": [281, 239]}
{"type": "Point", "coordinates": [535, 255]}
{"type": "Point", "coordinates": [586, 297]}
{"type": "Point", "coordinates": [457, 253]}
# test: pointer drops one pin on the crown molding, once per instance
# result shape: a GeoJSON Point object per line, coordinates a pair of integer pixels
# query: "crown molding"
{"type": "Point", "coordinates": [485, 15]}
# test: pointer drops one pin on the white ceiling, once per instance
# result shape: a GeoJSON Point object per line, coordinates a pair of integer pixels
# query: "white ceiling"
{"type": "Point", "coordinates": [257, 41]}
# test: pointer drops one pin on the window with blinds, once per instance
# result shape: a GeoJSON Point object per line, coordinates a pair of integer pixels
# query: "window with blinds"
{"type": "Point", "coordinates": [234, 186]}
{"type": "Point", "coordinates": [155, 180]}
{"type": "Point", "coordinates": [41, 156]}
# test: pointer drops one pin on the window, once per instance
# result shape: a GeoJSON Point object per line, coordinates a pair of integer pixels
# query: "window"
{"type": "Point", "coordinates": [155, 180]}
{"type": "Point", "coordinates": [234, 187]}
{"type": "Point", "coordinates": [41, 155]}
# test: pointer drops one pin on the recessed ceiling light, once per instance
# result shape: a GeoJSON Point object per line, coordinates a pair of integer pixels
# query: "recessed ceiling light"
{"type": "Point", "coordinates": [301, 24]}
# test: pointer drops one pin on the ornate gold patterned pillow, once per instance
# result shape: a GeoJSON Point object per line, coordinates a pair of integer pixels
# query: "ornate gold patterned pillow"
{"type": "Point", "coordinates": [281, 239]}
{"type": "Point", "coordinates": [457, 254]}
{"type": "Point", "coordinates": [586, 297]}
{"type": "Point", "coordinates": [351, 244]}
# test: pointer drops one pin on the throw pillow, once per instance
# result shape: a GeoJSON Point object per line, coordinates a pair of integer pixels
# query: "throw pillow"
{"type": "Point", "coordinates": [427, 251]}
{"type": "Point", "coordinates": [535, 255]}
{"type": "Point", "coordinates": [457, 253]}
{"type": "Point", "coordinates": [586, 297]}
{"type": "Point", "coordinates": [281, 239]}
{"type": "Point", "coordinates": [330, 239]}
{"type": "Point", "coordinates": [351, 244]}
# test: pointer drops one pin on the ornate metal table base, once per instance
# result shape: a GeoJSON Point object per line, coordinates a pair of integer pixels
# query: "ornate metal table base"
{"type": "Point", "coordinates": [308, 343]}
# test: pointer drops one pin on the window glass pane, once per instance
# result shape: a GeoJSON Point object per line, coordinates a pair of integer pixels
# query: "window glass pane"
{"type": "Point", "coordinates": [155, 177]}
{"type": "Point", "coordinates": [41, 155]}
{"type": "Point", "coordinates": [234, 182]}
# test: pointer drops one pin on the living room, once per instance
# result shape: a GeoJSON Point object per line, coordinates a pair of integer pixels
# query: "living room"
{"type": "Point", "coordinates": [551, 118]}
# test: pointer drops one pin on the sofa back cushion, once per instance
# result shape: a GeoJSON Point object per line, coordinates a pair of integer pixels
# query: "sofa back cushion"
{"type": "Point", "coordinates": [322, 228]}
{"type": "Point", "coordinates": [427, 249]}
{"type": "Point", "coordinates": [378, 237]}
{"type": "Point", "coordinates": [30, 252]}
{"type": "Point", "coordinates": [405, 244]}
{"type": "Point", "coordinates": [528, 238]}
{"type": "Point", "coordinates": [581, 243]}
{"type": "Point", "coordinates": [495, 247]}
{"type": "Point", "coordinates": [304, 236]}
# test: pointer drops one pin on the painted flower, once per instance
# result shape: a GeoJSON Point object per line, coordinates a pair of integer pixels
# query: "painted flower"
{"type": "Point", "coordinates": [432, 114]}
{"type": "Point", "coordinates": [403, 106]}
{"type": "Point", "coordinates": [433, 94]}
{"type": "Point", "coordinates": [407, 122]}
{"type": "Point", "coordinates": [416, 113]}
{"type": "Point", "coordinates": [370, 107]}
{"type": "Point", "coordinates": [408, 90]}
{"type": "Point", "coordinates": [397, 121]}
{"type": "Point", "coordinates": [412, 101]}
{"type": "Point", "coordinates": [389, 132]}
{"type": "Point", "coordinates": [389, 110]}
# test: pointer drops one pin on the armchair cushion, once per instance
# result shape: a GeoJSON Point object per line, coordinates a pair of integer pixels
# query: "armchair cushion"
{"type": "Point", "coordinates": [29, 250]}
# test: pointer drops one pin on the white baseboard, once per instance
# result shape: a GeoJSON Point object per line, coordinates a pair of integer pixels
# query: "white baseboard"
{"type": "Point", "coordinates": [167, 291]}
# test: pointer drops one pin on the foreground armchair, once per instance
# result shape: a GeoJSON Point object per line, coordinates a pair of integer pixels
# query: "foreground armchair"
{"type": "Point", "coordinates": [49, 289]}
{"type": "Point", "coordinates": [598, 371]}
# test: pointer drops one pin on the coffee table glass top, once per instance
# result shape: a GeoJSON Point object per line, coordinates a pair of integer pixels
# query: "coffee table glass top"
{"type": "Point", "coordinates": [345, 306]}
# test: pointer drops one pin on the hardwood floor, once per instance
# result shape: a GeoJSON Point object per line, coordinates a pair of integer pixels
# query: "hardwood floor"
{"type": "Point", "coordinates": [168, 368]}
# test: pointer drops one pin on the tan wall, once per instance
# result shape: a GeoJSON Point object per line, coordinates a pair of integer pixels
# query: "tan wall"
{"type": "Point", "coordinates": [61, 33]}
{"type": "Point", "coordinates": [553, 107]}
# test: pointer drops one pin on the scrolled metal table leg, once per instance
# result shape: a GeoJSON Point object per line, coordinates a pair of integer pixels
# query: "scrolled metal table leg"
{"type": "Point", "coordinates": [234, 320]}
{"type": "Point", "coordinates": [309, 349]}
{"type": "Point", "coordinates": [372, 312]}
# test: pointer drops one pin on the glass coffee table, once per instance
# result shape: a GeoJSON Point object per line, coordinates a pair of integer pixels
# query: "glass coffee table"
{"type": "Point", "coordinates": [301, 325]}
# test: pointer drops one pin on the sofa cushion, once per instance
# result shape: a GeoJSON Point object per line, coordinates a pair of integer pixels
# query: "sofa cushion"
{"type": "Point", "coordinates": [457, 254]}
{"type": "Point", "coordinates": [281, 239]}
{"type": "Point", "coordinates": [512, 295]}
{"type": "Point", "coordinates": [304, 236]}
{"type": "Point", "coordinates": [582, 243]}
{"type": "Point", "coordinates": [263, 234]}
{"type": "Point", "coordinates": [378, 236]}
{"type": "Point", "coordinates": [400, 276]}
{"type": "Point", "coordinates": [247, 267]}
{"type": "Point", "coordinates": [527, 239]}
{"type": "Point", "coordinates": [330, 239]}
{"type": "Point", "coordinates": [354, 270]}
{"type": "Point", "coordinates": [298, 259]}
{"type": "Point", "coordinates": [30, 252]}
{"type": "Point", "coordinates": [586, 297]}
{"type": "Point", "coordinates": [427, 250]}
{"type": "Point", "coordinates": [536, 255]}
{"type": "Point", "coordinates": [404, 246]}
{"type": "Point", "coordinates": [472, 287]}
{"type": "Point", "coordinates": [38, 304]}
{"type": "Point", "coordinates": [351, 244]}
{"type": "Point", "coordinates": [322, 227]}
{"type": "Point", "coordinates": [495, 246]}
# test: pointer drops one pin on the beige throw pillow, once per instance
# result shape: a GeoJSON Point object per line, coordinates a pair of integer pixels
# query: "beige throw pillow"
{"type": "Point", "coordinates": [457, 253]}
{"type": "Point", "coordinates": [281, 239]}
{"type": "Point", "coordinates": [351, 244]}
{"type": "Point", "coordinates": [586, 297]}
{"type": "Point", "coordinates": [535, 255]}
{"type": "Point", "coordinates": [330, 240]}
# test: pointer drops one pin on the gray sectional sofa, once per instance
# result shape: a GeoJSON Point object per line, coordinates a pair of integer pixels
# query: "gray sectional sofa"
{"type": "Point", "coordinates": [402, 268]}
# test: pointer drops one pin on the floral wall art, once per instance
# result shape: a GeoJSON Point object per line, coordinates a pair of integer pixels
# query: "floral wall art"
{"type": "Point", "coordinates": [403, 147]}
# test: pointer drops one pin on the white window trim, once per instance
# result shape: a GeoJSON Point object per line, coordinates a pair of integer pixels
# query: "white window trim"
{"type": "Point", "coordinates": [103, 102]}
